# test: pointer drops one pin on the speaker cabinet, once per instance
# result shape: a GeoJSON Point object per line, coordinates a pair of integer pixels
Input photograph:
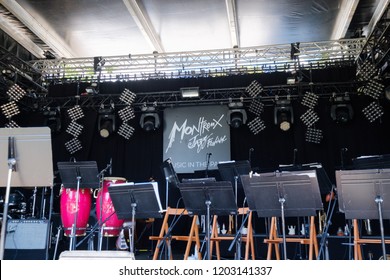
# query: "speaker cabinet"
{"type": "Point", "coordinates": [96, 255]}
{"type": "Point", "coordinates": [26, 239]}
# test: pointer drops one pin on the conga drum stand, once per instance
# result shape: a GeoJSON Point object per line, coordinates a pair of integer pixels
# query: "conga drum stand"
{"type": "Point", "coordinates": [78, 175]}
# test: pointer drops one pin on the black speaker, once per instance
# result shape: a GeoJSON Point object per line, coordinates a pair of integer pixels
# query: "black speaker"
{"type": "Point", "coordinates": [26, 239]}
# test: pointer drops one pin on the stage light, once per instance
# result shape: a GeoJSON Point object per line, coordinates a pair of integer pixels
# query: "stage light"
{"type": "Point", "coordinates": [11, 124]}
{"type": "Point", "coordinates": [313, 135]}
{"type": "Point", "coordinates": [310, 100]}
{"type": "Point", "coordinates": [53, 119]}
{"type": "Point", "coordinates": [149, 119]}
{"type": "Point", "coordinates": [373, 111]}
{"type": "Point", "coordinates": [256, 125]}
{"type": "Point", "coordinates": [341, 110]}
{"type": "Point", "coordinates": [127, 96]}
{"type": "Point", "coordinates": [73, 145]}
{"type": "Point", "coordinates": [256, 107]}
{"type": "Point", "coordinates": [236, 115]}
{"type": "Point", "coordinates": [106, 121]}
{"type": "Point", "coordinates": [283, 114]}
{"type": "Point", "coordinates": [309, 118]}
{"type": "Point", "coordinates": [16, 93]}
{"type": "Point", "coordinates": [74, 129]}
{"type": "Point", "coordinates": [75, 113]}
{"type": "Point", "coordinates": [126, 114]}
{"type": "Point", "coordinates": [10, 109]}
{"type": "Point", "coordinates": [98, 63]}
{"type": "Point", "coordinates": [125, 130]}
{"type": "Point", "coordinates": [254, 89]}
{"type": "Point", "coordinates": [373, 88]}
{"type": "Point", "coordinates": [92, 89]}
{"type": "Point", "coordinates": [366, 71]}
{"type": "Point", "coordinates": [189, 92]}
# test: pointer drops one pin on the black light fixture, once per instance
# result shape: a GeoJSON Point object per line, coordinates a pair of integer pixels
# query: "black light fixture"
{"type": "Point", "coordinates": [149, 119]}
{"type": "Point", "coordinates": [53, 119]}
{"type": "Point", "coordinates": [341, 110]}
{"type": "Point", "coordinates": [236, 115]}
{"type": "Point", "coordinates": [283, 114]}
{"type": "Point", "coordinates": [106, 121]}
{"type": "Point", "coordinates": [92, 89]}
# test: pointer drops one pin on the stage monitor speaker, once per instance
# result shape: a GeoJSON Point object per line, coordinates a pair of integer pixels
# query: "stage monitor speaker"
{"type": "Point", "coordinates": [26, 239]}
{"type": "Point", "coordinates": [26, 234]}
{"type": "Point", "coordinates": [96, 255]}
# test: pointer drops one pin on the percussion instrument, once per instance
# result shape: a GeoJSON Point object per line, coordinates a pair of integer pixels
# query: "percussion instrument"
{"type": "Point", "coordinates": [105, 211]}
{"type": "Point", "coordinates": [68, 209]}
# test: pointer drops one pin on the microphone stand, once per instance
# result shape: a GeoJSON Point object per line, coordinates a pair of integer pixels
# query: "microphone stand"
{"type": "Point", "coordinates": [100, 233]}
{"type": "Point", "coordinates": [11, 168]}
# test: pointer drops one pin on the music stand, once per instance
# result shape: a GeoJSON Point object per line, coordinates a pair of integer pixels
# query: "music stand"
{"type": "Point", "coordinates": [365, 194]}
{"type": "Point", "coordinates": [208, 198]}
{"type": "Point", "coordinates": [132, 201]}
{"type": "Point", "coordinates": [78, 175]}
{"type": "Point", "coordinates": [292, 194]}
{"type": "Point", "coordinates": [170, 177]}
{"type": "Point", "coordinates": [26, 161]}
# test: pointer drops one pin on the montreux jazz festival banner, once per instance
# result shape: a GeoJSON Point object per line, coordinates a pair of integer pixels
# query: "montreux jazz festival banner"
{"type": "Point", "coordinates": [196, 138]}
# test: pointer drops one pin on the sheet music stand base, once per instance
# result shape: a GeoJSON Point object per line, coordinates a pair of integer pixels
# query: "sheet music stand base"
{"type": "Point", "coordinates": [274, 240]}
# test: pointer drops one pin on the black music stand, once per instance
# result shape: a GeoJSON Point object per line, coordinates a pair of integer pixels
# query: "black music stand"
{"type": "Point", "coordinates": [365, 194]}
{"type": "Point", "coordinates": [78, 175]}
{"type": "Point", "coordinates": [291, 194]}
{"type": "Point", "coordinates": [140, 200]}
{"type": "Point", "coordinates": [170, 177]}
{"type": "Point", "coordinates": [208, 198]}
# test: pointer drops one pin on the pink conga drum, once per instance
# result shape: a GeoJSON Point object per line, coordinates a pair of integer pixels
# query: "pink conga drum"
{"type": "Point", "coordinates": [68, 209]}
{"type": "Point", "coordinates": [104, 207]}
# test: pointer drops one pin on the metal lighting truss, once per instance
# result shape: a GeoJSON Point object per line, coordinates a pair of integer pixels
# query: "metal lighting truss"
{"type": "Point", "coordinates": [376, 50]}
{"type": "Point", "coordinates": [221, 62]}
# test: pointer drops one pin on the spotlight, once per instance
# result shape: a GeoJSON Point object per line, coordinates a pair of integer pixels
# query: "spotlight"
{"type": "Point", "coordinates": [309, 118]}
{"type": "Point", "coordinates": [254, 89]}
{"type": "Point", "coordinates": [283, 114]}
{"type": "Point", "coordinates": [373, 111]}
{"type": "Point", "coordinates": [73, 145]}
{"type": "Point", "coordinates": [106, 121]}
{"type": "Point", "coordinates": [10, 109]}
{"type": "Point", "coordinates": [53, 119]}
{"type": "Point", "coordinates": [314, 135]}
{"type": "Point", "coordinates": [126, 131]}
{"type": "Point", "coordinates": [236, 115]}
{"type": "Point", "coordinates": [127, 96]}
{"type": "Point", "coordinates": [149, 119]}
{"type": "Point", "coordinates": [310, 100]}
{"type": "Point", "coordinates": [256, 125]}
{"type": "Point", "coordinates": [341, 110]}
{"type": "Point", "coordinates": [189, 92]}
{"type": "Point", "coordinates": [256, 107]}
